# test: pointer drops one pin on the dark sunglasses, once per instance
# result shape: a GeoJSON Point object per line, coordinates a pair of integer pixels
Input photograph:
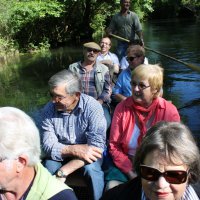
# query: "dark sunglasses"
{"type": "Point", "coordinates": [94, 50]}
{"type": "Point", "coordinates": [171, 176]}
{"type": "Point", "coordinates": [141, 85]}
{"type": "Point", "coordinates": [131, 58]}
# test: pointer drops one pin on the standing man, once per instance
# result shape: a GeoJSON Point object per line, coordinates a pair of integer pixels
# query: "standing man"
{"type": "Point", "coordinates": [95, 77]}
{"type": "Point", "coordinates": [22, 176]}
{"type": "Point", "coordinates": [73, 132]}
{"type": "Point", "coordinates": [135, 57]}
{"type": "Point", "coordinates": [125, 24]}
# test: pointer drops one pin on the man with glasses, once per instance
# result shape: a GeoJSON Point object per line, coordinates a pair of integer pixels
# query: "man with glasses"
{"type": "Point", "coordinates": [73, 132]}
{"type": "Point", "coordinates": [107, 58]}
{"type": "Point", "coordinates": [122, 89]}
{"type": "Point", "coordinates": [95, 77]}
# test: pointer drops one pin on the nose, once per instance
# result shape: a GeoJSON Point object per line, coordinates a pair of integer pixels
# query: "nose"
{"type": "Point", "coordinates": [162, 183]}
{"type": "Point", "coordinates": [136, 87]}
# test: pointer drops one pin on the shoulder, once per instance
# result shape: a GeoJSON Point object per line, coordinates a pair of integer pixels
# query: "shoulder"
{"type": "Point", "coordinates": [74, 65]}
{"type": "Point", "coordinates": [125, 73]}
{"type": "Point", "coordinates": [166, 104]}
{"type": "Point", "coordinates": [129, 190]}
{"type": "Point", "coordinates": [89, 103]}
{"type": "Point", "coordinates": [116, 16]}
{"type": "Point", "coordinates": [168, 110]}
{"type": "Point", "coordinates": [196, 188]}
{"type": "Point", "coordinates": [65, 194]}
{"type": "Point", "coordinates": [48, 109]}
{"type": "Point", "coordinates": [125, 104]}
{"type": "Point", "coordinates": [133, 14]}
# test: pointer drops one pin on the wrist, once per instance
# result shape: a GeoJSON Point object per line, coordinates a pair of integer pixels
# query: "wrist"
{"type": "Point", "coordinates": [60, 174]}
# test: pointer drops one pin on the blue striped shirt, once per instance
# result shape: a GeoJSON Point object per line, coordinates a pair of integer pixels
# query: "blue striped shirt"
{"type": "Point", "coordinates": [86, 124]}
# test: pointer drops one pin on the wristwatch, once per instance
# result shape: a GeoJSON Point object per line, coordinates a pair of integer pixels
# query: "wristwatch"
{"type": "Point", "coordinates": [60, 174]}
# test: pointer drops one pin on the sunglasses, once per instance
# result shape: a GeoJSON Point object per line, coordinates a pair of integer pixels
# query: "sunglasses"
{"type": "Point", "coordinates": [171, 176]}
{"type": "Point", "coordinates": [141, 86]}
{"type": "Point", "coordinates": [131, 58]}
{"type": "Point", "coordinates": [94, 50]}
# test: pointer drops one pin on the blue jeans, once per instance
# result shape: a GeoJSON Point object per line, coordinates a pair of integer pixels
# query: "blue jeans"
{"type": "Point", "coordinates": [107, 115]}
{"type": "Point", "coordinates": [92, 172]}
{"type": "Point", "coordinates": [121, 49]}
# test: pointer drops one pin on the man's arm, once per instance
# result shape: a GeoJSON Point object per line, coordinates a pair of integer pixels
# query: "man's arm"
{"type": "Point", "coordinates": [106, 92]}
{"type": "Point", "coordinates": [140, 35]}
{"type": "Point", "coordinates": [114, 67]}
{"type": "Point", "coordinates": [83, 154]}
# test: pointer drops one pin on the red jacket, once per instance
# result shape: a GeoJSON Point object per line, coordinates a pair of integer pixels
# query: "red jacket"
{"type": "Point", "coordinates": [122, 129]}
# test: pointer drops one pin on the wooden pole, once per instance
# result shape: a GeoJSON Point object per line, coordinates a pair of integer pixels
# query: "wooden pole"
{"type": "Point", "coordinates": [191, 66]}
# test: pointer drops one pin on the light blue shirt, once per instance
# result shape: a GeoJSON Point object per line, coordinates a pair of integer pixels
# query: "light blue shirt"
{"type": "Point", "coordinates": [123, 85]}
{"type": "Point", "coordinates": [86, 124]}
{"type": "Point", "coordinates": [109, 56]}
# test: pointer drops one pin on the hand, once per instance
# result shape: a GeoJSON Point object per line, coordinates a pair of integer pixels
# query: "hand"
{"type": "Point", "coordinates": [107, 62]}
{"type": "Point", "coordinates": [100, 101]}
{"type": "Point", "coordinates": [88, 153]}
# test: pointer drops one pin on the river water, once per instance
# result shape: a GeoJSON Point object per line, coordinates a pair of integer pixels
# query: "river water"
{"type": "Point", "coordinates": [24, 82]}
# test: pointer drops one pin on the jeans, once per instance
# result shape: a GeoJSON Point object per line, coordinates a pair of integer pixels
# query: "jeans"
{"type": "Point", "coordinates": [92, 172]}
{"type": "Point", "coordinates": [121, 49]}
{"type": "Point", "coordinates": [107, 115]}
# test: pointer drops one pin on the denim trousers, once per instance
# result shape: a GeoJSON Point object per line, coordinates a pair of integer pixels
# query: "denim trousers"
{"type": "Point", "coordinates": [92, 172]}
{"type": "Point", "coordinates": [107, 115]}
{"type": "Point", "coordinates": [121, 49]}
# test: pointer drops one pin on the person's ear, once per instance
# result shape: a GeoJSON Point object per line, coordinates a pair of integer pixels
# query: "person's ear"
{"type": "Point", "coordinates": [78, 94]}
{"type": "Point", "coordinates": [22, 161]}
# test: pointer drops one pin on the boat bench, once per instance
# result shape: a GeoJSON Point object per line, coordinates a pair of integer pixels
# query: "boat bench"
{"type": "Point", "coordinates": [79, 185]}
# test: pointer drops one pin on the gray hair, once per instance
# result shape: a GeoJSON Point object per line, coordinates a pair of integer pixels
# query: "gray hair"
{"type": "Point", "coordinates": [70, 79]}
{"type": "Point", "coordinates": [172, 140]}
{"type": "Point", "coordinates": [18, 136]}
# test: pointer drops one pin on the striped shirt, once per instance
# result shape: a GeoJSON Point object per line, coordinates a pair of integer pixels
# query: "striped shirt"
{"type": "Point", "coordinates": [86, 124]}
{"type": "Point", "coordinates": [189, 194]}
{"type": "Point", "coordinates": [89, 85]}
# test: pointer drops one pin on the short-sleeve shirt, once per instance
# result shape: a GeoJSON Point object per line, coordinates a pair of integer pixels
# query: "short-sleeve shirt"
{"type": "Point", "coordinates": [125, 26]}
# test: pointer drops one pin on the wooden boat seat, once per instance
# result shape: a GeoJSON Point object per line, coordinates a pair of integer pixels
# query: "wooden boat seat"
{"type": "Point", "coordinates": [79, 185]}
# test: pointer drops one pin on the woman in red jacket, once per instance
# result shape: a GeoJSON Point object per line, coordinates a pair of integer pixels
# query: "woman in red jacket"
{"type": "Point", "coordinates": [133, 117]}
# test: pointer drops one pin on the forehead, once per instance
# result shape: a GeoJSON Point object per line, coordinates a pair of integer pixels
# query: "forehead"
{"type": "Point", "coordinates": [106, 40]}
{"type": "Point", "coordinates": [125, 1]}
{"type": "Point", "coordinates": [156, 159]}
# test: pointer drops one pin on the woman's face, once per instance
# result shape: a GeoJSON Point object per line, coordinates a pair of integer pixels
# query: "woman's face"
{"type": "Point", "coordinates": [161, 189]}
{"type": "Point", "coordinates": [142, 92]}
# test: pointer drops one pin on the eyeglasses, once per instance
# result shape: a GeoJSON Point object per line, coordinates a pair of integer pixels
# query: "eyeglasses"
{"type": "Point", "coordinates": [94, 50]}
{"type": "Point", "coordinates": [131, 58]}
{"type": "Point", "coordinates": [105, 43]}
{"type": "Point", "coordinates": [140, 85]}
{"type": "Point", "coordinates": [58, 97]}
{"type": "Point", "coordinates": [171, 176]}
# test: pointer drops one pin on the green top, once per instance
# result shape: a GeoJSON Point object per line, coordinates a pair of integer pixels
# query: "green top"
{"type": "Point", "coordinates": [125, 26]}
{"type": "Point", "coordinates": [45, 185]}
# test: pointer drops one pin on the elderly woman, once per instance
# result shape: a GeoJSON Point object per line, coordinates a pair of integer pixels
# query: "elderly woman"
{"type": "Point", "coordinates": [133, 117]}
{"type": "Point", "coordinates": [166, 168]}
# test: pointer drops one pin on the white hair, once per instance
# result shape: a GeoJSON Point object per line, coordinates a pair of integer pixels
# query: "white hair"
{"type": "Point", "coordinates": [18, 135]}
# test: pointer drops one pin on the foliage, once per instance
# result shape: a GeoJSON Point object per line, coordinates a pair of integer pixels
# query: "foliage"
{"type": "Point", "coordinates": [33, 25]}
